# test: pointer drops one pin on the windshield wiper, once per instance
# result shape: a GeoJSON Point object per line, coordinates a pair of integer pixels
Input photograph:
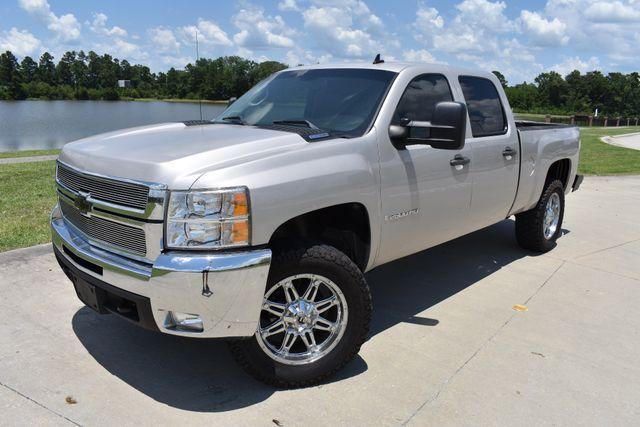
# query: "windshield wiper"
{"type": "Point", "coordinates": [237, 119]}
{"type": "Point", "coordinates": [296, 122]}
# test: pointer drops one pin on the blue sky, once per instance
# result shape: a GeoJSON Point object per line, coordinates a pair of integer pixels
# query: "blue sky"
{"type": "Point", "coordinates": [519, 38]}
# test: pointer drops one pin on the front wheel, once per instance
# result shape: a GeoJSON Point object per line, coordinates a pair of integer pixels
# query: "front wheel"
{"type": "Point", "coordinates": [539, 228]}
{"type": "Point", "coordinates": [315, 316]}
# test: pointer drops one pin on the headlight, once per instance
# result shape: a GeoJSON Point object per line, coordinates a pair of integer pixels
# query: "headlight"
{"type": "Point", "coordinates": [208, 219]}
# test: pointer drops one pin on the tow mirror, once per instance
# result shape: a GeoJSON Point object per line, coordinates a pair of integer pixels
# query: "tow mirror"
{"type": "Point", "coordinates": [447, 128]}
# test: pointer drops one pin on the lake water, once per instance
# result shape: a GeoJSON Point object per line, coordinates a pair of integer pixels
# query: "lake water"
{"type": "Point", "coordinates": [36, 125]}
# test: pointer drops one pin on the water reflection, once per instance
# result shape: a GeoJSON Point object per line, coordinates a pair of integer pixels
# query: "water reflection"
{"type": "Point", "coordinates": [35, 125]}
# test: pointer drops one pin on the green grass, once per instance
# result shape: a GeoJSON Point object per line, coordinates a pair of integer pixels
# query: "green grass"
{"type": "Point", "coordinates": [27, 195]}
{"type": "Point", "coordinates": [598, 158]}
{"type": "Point", "coordinates": [534, 117]}
{"type": "Point", "coordinates": [27, 153]}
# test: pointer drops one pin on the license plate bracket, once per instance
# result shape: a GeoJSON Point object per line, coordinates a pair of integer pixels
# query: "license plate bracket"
{"type": "Point", "coordinates": [88, 294]}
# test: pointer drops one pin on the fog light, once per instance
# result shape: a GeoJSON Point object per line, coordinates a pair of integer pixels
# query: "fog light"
{"type": "Point", "coordinates": [184, 322]}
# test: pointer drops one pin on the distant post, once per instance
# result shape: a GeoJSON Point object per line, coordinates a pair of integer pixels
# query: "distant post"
{"type": "Point", "coordinates": [573, 119]}
{"type": "Point", "coordinates": [606, 121]}
{"type": "Point", "coordinates": [628, 120]}
{"type": "Point", "coordinates": [636, 121]}
{"type": "Point", "coordinates": [547, 119]}
{"type": "Point", "coordinates": [590, 121]}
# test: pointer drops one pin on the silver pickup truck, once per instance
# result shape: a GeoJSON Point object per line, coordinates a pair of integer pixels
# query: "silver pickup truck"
{"type": "Point", "coordinates": [258, 226]}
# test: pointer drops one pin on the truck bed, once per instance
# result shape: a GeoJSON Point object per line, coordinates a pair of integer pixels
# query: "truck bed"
{"type": "Point", "coordinates": [541, 144]}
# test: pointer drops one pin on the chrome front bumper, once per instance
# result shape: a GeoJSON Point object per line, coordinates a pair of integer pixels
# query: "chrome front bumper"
{"type": "Point", "coordinates": [224, 289]}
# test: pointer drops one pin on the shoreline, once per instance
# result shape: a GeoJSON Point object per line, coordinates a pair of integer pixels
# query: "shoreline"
{"type": "Point", "coordinates": [177, 100]}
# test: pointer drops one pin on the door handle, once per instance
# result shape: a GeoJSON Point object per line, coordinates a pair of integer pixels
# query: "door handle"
{"type": "Point", "coordinates": [509, 152]}
{"type": "Point", "coordinates": [459, 160]}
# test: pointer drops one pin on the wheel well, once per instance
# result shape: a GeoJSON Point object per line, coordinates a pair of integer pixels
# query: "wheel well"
{"type": "Point", "coordinates": [344, 226]}
{"type": "Point", "coordinates": [559, 170]}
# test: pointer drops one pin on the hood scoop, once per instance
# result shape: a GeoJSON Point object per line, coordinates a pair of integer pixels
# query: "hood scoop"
{"type": "Point", "coordinates": [197, 122]}
{"type": "Point", "coordinates": [309, 134]}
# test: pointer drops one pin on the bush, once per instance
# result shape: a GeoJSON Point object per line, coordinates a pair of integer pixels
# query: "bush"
{"type": "Point", "coordinates": [110, 94]}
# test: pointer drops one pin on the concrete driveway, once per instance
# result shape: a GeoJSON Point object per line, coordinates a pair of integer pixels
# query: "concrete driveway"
{"type": "Point", "coordinates": [447, 347]}
{"type": "Point", "coordinates": [630, 140]}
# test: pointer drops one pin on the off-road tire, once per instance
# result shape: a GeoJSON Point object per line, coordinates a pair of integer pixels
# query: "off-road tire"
{"type": "Point", "coordinates": [329, 262]}
{"type": "Point", "coordinates": [530, 224]}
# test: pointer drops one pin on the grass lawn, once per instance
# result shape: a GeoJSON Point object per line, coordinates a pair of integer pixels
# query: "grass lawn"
{"type": "Point", "coordinates": [27, 153]}
{"type": "Point", "coordinates": [598, 158]}
{"type": "Point", "coordinates": [27, 195]}
{"type": "Point", "coordinates": [537, 117]}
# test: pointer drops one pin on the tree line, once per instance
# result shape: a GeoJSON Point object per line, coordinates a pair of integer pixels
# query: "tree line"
{"type": "Point", "coordinates": [80, 75]}
{"type": "Point", "coordinates": [614, 94]}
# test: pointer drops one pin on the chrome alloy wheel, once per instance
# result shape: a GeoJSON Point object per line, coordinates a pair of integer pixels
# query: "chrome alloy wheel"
{"type": "Point", "coordinates": [303, 318]}
{"type": "Point", "coordinates": [551, 216]}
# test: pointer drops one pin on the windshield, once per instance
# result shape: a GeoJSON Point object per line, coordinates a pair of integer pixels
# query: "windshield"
{"type": "Point", "coordinates": [340, 101]}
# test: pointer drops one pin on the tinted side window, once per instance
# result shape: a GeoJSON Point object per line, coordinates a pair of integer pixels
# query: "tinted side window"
{"type": "Point", "coordinates": [421, 96]}
{"type": "Point", "coordinates": [485, 109]}
{"type": "Point", "coordinates": [419, 101]}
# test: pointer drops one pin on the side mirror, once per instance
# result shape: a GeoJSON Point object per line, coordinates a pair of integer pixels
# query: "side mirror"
{"type": "Point", "coordinates": [447, 127]}
{"type": "Point", "coordinates": [231, 100]}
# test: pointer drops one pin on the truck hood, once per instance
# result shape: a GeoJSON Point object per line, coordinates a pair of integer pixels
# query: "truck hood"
{"type": "Point", "coordinates": [173, 153]}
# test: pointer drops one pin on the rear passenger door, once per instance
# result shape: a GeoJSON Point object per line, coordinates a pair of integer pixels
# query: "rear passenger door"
{"type": "Point", "coordinates": [494, 144]}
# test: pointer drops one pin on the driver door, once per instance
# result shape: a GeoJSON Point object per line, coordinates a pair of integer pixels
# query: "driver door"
{"type": "Point", "coordinates": [425, 200]}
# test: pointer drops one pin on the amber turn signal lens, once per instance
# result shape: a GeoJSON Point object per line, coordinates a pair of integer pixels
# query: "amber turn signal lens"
{"type": "Point", "coordinates": [240, 207]}
{"type": "Point", "coordinates": [240, 232]}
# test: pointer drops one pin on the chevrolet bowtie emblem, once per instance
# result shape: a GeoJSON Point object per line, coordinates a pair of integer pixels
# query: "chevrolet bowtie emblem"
{"type": "Point", "coordinates": [82, 203]}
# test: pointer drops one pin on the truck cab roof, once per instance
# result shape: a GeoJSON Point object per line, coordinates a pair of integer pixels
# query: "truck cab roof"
{"type": "Point", "coordinates": [395, 67]}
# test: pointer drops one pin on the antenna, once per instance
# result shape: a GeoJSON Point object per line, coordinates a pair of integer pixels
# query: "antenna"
{"type": "Point", "coordinates": [197, 58]}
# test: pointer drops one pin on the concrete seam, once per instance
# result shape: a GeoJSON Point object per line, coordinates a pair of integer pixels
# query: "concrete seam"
{"type": "Point", "coordinates": [606, 249]}
{"type": "Point", "coordinates": [38, 403]}
{"type": "Point", "coordinates": [603, 270]}
{"type": "Point", "coordinates": [478, 350]}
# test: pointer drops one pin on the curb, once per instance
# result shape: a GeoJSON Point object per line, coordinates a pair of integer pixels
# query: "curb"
{"type": "Point", "coordinates": [25, 253]}
{"type": "Point", "coordinates": [29, 159]}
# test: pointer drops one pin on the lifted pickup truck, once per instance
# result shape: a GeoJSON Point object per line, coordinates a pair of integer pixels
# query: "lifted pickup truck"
{"type": "Point", "coordinates": [258, 226]}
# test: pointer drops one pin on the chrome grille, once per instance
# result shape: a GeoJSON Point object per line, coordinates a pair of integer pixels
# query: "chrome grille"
{"type": "Point", "coordinates": [107, 190]}
{"type": "Point", "coordinates": [119, 235]}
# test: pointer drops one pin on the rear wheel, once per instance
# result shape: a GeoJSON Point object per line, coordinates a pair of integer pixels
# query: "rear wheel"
{"type": "Point", "coordinates": [539, 228]}
{"type": "Point", "coordinates": [315, 316]}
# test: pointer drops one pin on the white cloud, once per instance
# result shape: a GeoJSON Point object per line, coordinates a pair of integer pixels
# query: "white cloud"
{"type": "Point", "coordinates": [65, 27]}
{"type": "Point", "coordinates": [347, 29]}
{"type": "Point", "coordinates": [20, 43]}
{"type": "Point", "coordinates": [175, 61]}
{"type": "Point", "coordinates": [484, 14]}
{"type": "Point", "coordinates": [420, 55]}
{"type": "Point", "coordinates": [209, 34]}
{"type": "Point", "coordinates": [164, 39]}
{"type": "Point", "coordinates": [35, 6]}
{"type": "Point", "coordinates": [542, 31]}
{"type": "Point", "coordinates": [259, 31]}
{"type": "Point", "coordinates": [99, 26]}
{"type": "Point", "coordinates": [123, 49]}
{"type": "Point", "coordinates": [476, 28]}
{"type": "Point", "coordinates": [428, 21]}
{"type": "Point", "coordinates": [289, 5]}
{"type": "Point", "coordinates": [614, 11]}
{"type": "Point", "coordinates": [575, 63]}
